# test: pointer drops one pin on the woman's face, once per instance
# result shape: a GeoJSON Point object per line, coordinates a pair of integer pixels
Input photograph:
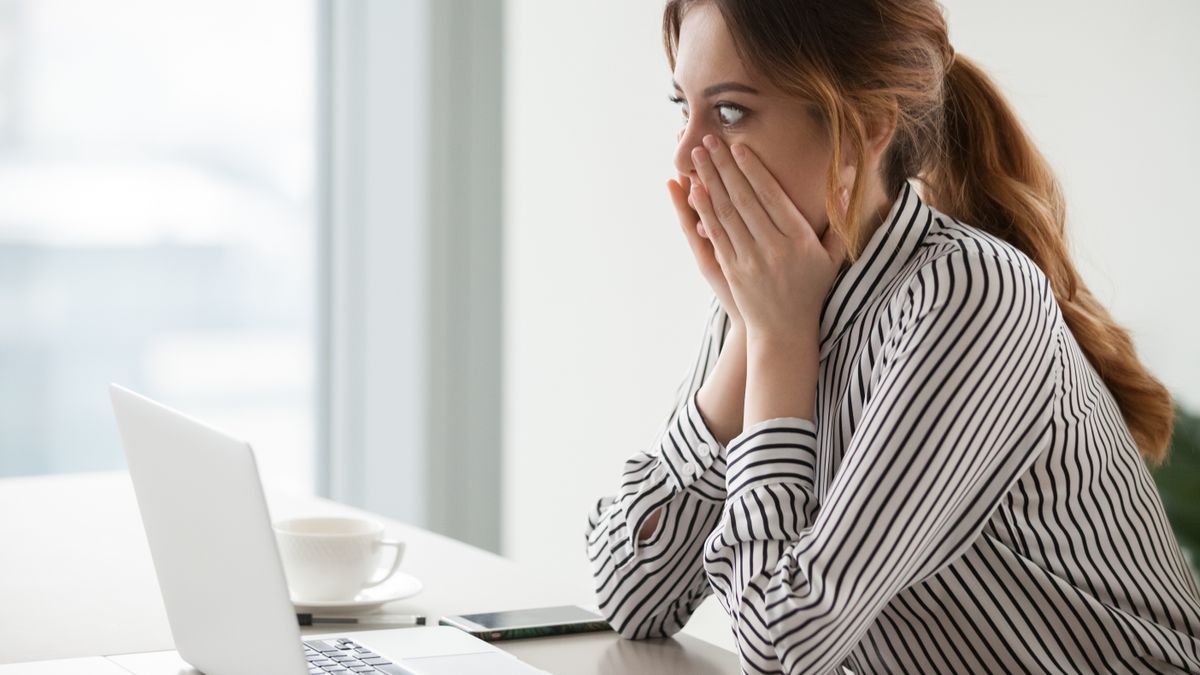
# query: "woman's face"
{"type": "Point", "coordinates": [720, 97]}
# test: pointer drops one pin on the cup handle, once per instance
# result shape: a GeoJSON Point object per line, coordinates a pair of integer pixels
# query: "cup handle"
{"type": "Point", "coordinates": [399, 546]}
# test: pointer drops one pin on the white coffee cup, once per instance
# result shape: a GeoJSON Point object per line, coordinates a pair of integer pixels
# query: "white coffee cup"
{"type": "Point", "coordinates": [333, 558]}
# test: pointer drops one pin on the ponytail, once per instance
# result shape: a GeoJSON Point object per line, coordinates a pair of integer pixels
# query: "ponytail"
{"type": "Point", "coordinates": [990, 174]}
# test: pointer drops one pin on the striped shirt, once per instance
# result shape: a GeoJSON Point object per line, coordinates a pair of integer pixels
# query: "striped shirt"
{"type": "Point", "coordinates": [966, 498]}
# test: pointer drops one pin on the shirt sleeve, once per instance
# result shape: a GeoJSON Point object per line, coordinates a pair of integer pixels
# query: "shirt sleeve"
{"type": "Point", "coordinates": [650, 588]}
{"type": "Point", "coordinates": [961, 406]}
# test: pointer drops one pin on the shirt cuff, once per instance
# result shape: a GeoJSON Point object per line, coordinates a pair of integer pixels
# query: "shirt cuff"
{"type": "Point", "coordinates": [621, 539]}
{"type": "Point", "coordinates": [778, 450]}
{"type": "Point", "coordinates": [685, 450]}
{"type": "Point", "coordinates": [688, 447]}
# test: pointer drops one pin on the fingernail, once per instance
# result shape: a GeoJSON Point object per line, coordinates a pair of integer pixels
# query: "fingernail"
{"type": "Point", "coordinates": [738, 151]}
{"type": "Point", "coordinates": [698, 155]}
{"type": "Point", "coordinates": [710, 142]}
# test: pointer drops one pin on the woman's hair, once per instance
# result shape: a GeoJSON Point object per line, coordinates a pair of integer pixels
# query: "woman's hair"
{"type": "Point", "coordinates": [859, 60]}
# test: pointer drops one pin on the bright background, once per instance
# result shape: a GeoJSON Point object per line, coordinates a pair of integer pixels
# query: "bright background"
{"type": "Point", "coordinates": [448, 285]}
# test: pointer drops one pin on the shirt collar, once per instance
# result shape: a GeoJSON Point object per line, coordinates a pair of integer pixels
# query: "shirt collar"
{"type": "Point", "coordinates": [889, 250]}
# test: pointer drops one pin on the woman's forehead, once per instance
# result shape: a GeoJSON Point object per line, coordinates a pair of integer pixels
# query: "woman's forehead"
{"type": "Point", "coordinates": [705, 46]}
{"type": "Point", "coordinates": [706, 53]}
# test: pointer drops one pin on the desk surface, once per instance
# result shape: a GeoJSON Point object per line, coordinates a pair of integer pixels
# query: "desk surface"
{"type": "Point", "coordinates": [77, 580]}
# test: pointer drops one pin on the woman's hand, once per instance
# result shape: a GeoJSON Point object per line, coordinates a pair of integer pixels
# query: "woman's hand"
{"type": "Point", "coordinates": [778, 271]}
{"type": "Point", "coordinates": [702, 248]}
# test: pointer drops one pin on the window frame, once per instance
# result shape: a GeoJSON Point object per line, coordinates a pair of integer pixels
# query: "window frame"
{"type": "Point", "coordinates": [410, 250]}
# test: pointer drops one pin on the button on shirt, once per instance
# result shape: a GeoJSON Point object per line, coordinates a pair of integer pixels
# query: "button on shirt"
{"type": "Point", "coordinates": [966, 498]}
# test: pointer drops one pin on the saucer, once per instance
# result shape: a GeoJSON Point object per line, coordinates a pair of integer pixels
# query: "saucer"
{"type": "Point", "coordinates": [400, 586]}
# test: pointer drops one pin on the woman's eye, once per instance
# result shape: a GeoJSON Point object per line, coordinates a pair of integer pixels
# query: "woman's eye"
{"type": "Point", "coordinates": [730, 114]}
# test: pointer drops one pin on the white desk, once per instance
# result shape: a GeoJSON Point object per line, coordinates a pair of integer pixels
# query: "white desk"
{"type": "Point", "coordinates": [76, 580]}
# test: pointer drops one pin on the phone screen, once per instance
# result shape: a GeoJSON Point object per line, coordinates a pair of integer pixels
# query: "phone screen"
{"type": "Point", "coordinates": [533, 618]}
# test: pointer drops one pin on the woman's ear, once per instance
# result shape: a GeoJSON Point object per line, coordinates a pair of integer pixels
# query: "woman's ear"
{"type": "Point", "coordinates": [846, 176]}
{"type": "Point", "coordinates": [880, 130]}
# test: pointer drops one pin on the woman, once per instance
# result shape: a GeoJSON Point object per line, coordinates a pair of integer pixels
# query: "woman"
{"type": "Point", "coordinates": [910, 441]}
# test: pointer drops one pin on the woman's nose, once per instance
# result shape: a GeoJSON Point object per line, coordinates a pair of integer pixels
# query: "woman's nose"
{"type": "Point", "coordinates": [683, 151]}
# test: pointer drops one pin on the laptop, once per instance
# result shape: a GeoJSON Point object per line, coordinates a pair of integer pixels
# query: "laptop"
{"type": "Point", "coordinates": [220, 574]}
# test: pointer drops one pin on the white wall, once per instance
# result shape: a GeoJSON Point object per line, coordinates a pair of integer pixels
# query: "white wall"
{"type": "Point", "coordinates": [603, 302]}
{"type": "Point", "coordinates": [1111, 93]}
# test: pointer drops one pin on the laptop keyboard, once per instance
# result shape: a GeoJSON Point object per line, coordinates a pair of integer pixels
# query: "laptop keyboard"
{"type": "Point", "coordinates": [343, 655]}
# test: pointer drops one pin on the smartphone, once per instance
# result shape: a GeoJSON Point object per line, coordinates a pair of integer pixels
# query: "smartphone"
{"type": "Point", "coordinates": [526, 623]}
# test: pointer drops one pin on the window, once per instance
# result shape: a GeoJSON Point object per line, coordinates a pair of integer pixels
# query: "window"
{"type": "Point", "coordinates": [157, 225]}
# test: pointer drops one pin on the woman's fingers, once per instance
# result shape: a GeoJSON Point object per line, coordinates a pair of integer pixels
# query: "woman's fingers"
{"type": "Point", "coordinates": [724, 214]}
{"type": "Point", "coordinates": [689, 220]}
{"type": "Point", "coordinates": [740, 193]}
{"type": "Point", "coordinates": [686, 183]}
{"type": "Point", "coordinates": [774, 200]}
{"type": "Point", "coordinates": [725, 251]}
{"type": "Point", "coordinates": [688, 217]}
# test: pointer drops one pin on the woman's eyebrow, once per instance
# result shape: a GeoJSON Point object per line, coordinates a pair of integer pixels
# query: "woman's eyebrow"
{"type": "Point", "coordinates": [718, 88]}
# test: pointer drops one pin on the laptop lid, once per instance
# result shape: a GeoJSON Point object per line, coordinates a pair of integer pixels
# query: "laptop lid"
{"type": "Point", "coordinates": [209, 531]}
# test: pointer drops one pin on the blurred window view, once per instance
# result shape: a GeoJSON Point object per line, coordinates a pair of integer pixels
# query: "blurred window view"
{"type": "Point", "coordinates": [157, 224]}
